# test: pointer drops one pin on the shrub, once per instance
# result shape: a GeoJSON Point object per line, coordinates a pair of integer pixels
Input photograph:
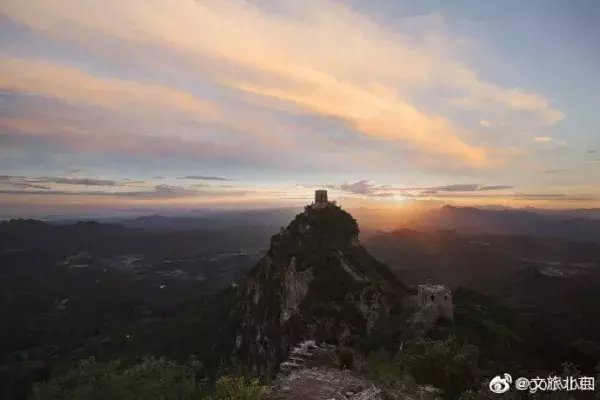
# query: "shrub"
{"type": "Point", "coordinates": [345, 357]}
{"type": "Point", "coordinates": [149, 379]}
{"type": "Point", "coordinates": [446, 364]}
{"type": "Point", "coordinates": [238, 388]}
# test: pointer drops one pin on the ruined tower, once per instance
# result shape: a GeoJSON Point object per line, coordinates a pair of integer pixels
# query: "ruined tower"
{"type": "Point", "coordinates": [321, 197]}
{"type": "Point", "coordinates": [437, 298]}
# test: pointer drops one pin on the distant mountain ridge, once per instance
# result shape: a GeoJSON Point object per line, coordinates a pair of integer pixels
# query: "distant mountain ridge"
{"type": "Point", "coordinates": [511, 222]}
{"type": "Point", "coordinates": [217, 219]}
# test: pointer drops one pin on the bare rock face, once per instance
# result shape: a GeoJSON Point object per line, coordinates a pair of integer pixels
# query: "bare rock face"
{"type": "Point", "coordinates": [323, 383]}
{"type": "Point", "coordinates": [295, 288]}
{"type": "Point", "coordinates": [320, 383]}
{"type": "Point", "coordinates": [315, 282]}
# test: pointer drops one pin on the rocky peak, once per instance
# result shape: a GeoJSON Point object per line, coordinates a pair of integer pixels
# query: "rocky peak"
{"type": "Point", "coordinates": [315, 282]}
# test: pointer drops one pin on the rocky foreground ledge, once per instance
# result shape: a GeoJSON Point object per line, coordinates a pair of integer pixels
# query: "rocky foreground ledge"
{"type": "Point", "coordinates": [302, 377]}
{"type": "Point", "coordinates": [321, 383]}
{"type": "Point", "coordinates": [298, 380]}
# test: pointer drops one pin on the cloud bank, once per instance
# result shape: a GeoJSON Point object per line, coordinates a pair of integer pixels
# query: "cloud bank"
{"type": "Point", "coordinates": [269, 56]}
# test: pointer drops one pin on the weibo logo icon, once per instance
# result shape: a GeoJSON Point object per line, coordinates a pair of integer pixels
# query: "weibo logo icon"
{"type": "Point", "coordinates": [500, 384]}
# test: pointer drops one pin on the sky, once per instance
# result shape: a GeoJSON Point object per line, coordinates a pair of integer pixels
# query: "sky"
{"type": "Point", "coordinates": [139, 104]}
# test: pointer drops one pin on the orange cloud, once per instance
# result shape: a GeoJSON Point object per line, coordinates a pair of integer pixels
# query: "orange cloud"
{"type": "Point", "coordinates": [318, 56]}
{"type": "Point", "coordinates": [381, 118]}
{"type": "Point", "coordinates": [76, 86]}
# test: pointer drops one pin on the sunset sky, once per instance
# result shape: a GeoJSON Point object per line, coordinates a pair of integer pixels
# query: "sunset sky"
{"type": "Point", "coordinates": [111, 105]}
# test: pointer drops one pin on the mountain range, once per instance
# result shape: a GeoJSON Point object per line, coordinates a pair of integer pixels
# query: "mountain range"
{"type": "Point", "coordinates": [576, 225]}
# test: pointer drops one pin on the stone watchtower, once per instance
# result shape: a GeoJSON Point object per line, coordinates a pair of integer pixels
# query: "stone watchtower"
{"type": "Point", "coordinates": [321, 198]}
{"type": "Point", "coordinates": [437, 298]}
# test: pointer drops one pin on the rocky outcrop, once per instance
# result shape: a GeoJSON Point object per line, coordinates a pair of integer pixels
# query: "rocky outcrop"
{"type": "Point", "coordinates": [319, 383]}
{"type": "Point", "coordinates": [295, 288]}
{"type": "Point", "coordinates": [305, 376]}
{"type": "Point", "coordinates": [315, 282]}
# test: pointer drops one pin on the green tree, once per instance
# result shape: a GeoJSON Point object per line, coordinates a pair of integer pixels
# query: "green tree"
{"type": "Point", "coordinates": [150, 379]}
{"type": "Point", "coordinates": [446, 364]}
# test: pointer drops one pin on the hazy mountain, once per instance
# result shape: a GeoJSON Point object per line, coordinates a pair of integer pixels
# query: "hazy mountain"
{"type": "Point", "coordinates": [511, 221]}
{"type": "Point", "coordinates": [214, 220]}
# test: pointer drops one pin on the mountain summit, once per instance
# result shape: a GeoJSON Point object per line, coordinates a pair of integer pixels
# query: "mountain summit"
{"type": "Point", "coordinates": [315, 282]}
